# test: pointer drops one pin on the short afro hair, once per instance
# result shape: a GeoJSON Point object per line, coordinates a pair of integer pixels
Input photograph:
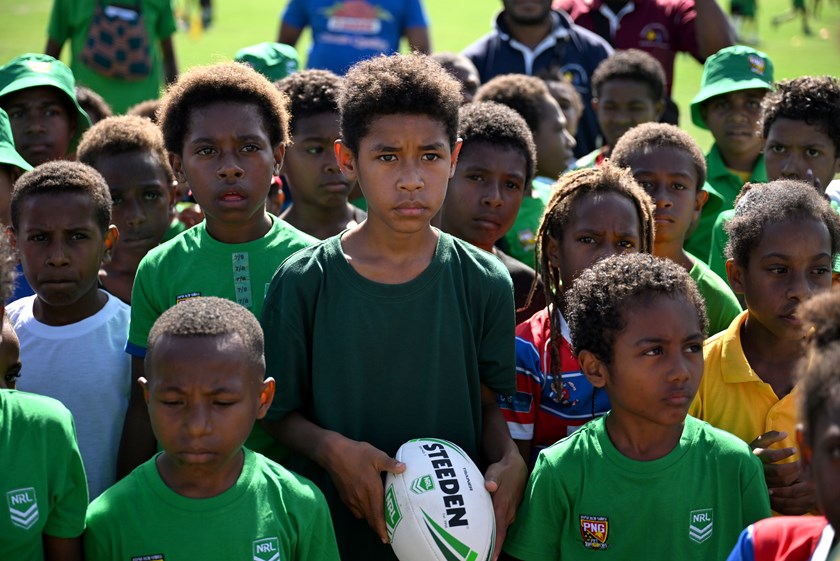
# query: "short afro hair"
{"type": "Point", "coordinates": [210, 316]}
{"type": "Point", "coordinates": [123, 135]}
{"type": "Point", "coordinates": [818, 372]}
{"type": "Point", "coordinates": [93, 104]}
{"type": "Point", "coordinates": [59, 178]}
{"type": "Point", "coordinates": [632, 65]}
{"type": "Point", "coordinates": [492, 124]}
{"type": "Point", "coordinates": [524, 94]}
{"type": "Point", "coordinates": [763, 204]}
{"type": "Point", "coordinates": [148, 109]}
{"type": "Point", "coordinates": [398, 84]}
{"type": "Point", "coordinates": [647, 137]}
{"type": "Point", "coordinates": [310, 92]}
{"type": "Point", "coordinates": [226, 82]}
{"type": "Point", "coordinates": [597, 305]}
{"type": "Point", "coordinates": [813, 99]}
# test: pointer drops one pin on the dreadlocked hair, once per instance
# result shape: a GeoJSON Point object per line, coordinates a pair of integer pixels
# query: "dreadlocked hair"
{"type": "Point", "coordinates": [566, 192]}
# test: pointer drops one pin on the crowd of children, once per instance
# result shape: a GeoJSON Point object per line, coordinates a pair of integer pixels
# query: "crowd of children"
{"type": "Point", "coordinates": [210, 351]}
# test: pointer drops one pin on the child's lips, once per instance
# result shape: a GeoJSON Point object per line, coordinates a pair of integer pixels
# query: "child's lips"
{"type": "Point", "coordinates": [410, 208]}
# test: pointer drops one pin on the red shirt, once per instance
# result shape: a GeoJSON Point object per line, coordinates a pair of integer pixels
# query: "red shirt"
{"type": "Point", "coordinates": [661, 28]}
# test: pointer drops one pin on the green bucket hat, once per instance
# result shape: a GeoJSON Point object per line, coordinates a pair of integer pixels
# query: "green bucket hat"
{"type": "Point", "coordinates": [730, 70]}
{"type": "Point", "coordinates": [272, 60]}
{"type": "Point", "coordinates": [33, 70]}
{"type": "Point", "coordinates": [8, 154]}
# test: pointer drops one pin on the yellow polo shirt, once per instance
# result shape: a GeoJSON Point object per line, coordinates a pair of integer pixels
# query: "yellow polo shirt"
{"type": "Point", "coordinates": [734, 398]}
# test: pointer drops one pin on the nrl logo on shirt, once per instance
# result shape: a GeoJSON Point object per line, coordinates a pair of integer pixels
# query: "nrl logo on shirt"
{"type": "Point", "coordinates": [267, 549]}
{"type": "Point", "coordinates": [700, 525]}
{"type": "Point", "coordinates": [23, 507]}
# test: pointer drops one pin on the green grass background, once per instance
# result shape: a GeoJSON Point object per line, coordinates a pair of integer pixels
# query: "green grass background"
{"type": "Point", "coordinates": [455, 24]}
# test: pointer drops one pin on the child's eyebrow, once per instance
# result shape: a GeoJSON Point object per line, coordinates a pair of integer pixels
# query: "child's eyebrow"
{"type": "Point", "coordinates": [211, 140]}
{"type": "Point", "coordinates": [776, 255]}
{"type": "Point", "coordinates": [660, 340]}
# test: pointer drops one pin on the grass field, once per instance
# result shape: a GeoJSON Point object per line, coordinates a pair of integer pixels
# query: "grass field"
{"type": "Point", "coordinates": [455, 24]}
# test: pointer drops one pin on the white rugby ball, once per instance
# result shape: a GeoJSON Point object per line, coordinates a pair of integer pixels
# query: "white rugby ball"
{"type": "Point", "coordinates": [438, 508]}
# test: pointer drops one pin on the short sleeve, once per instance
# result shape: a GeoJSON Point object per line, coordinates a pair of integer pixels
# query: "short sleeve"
{"type": "Point", "coordinates": [683, 16]}
{"type": "Point", "coordinates": [144, 308]}
{"type": "Point", "coordinates": [536, 532]}
{"type": "Point", "coordinates": [317, 542]}
{"type": "Point", "coordinates": [58, 28]}
{"type": "Point", "coordinates": [718, 237]}
{"type": "Point", "coordinates": [496, 354]}
{"type": "Point", "coordinates": [69, 496]}
{"type": "Point", "coordinates": [296, 14]}
{"type": "Point", "coordinates": [166, 21]}
{"type": "Point", "coordinates": [416, 16]}
{"type": "Point", "coordinates": [520, 409]}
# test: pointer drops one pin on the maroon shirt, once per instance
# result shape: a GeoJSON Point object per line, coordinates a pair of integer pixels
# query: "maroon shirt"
{"type": "Point", "coordinates": [661, 28]}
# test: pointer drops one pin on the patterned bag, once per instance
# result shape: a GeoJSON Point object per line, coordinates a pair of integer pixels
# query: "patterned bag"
{"type": "Point", "coordinates": [117, 45]}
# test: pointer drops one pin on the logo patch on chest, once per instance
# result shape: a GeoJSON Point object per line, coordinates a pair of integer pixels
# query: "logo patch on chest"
{"type": "Point", "coordinates": [23, 507]}
{"type": "Point", "coordinates": [594, 530]}
{"type": "Point", "coordinates": [267, 549]}
{"type": "Point", "coordinates": [700, 525]}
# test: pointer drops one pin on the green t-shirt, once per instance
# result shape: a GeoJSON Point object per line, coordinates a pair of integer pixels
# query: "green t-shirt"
{"type": "Point", "coordinates": [194, 264]}
{"type": "Point", "coordinates": [42, 478]}
{"type": "Point", "coordinates": [385, 363]}
{"type": "Point", "coordinates": [586, 500]}
{"type": "Point", "coordinates": [721, 304]}
{"type": "Point", "coordinates": [521, 240]}
{"type": "Point", "coordinates": [268, 514]}
{"type": "Point", "coordinates": [725, 187]}
{"type": "Point", "coordinates": [70, 19]}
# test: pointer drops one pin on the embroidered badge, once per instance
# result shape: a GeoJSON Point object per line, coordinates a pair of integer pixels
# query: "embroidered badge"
{"type": "Point", "coordinates": [700, 525]}
{"type": "Point", "coordinates": [181, 297]}
{"type": "Point", "coordinates": [654, 35]}
{"type": "Point", "coordinates": [594, 531]}
{"type": "Point", "coordinates": [267, 549]}
{"type": "Point", "coordinates": [23, 507]}
{"type": "Point", "coordinates": [153, 557]}
{"type": "Point", "coordinates": [757, 64]}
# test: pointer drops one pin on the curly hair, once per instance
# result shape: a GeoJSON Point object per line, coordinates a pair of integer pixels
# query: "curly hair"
{"type": "Point", "coordinates": [310, 92]}
{"type": "Point", "coordinates": [632, 65]}
{"type": "Point", "coordinates": [647, 137]}
{"type": "Point", "coordinates": [818, 372]}
{"type": "Point", "coordinates": [603, 294]}
{"type": "Point", "coordinates": [227, 82]}
{"type": "Point", "coordinates": [761, 205]}
{"type": "Point", "coordinates": [148, 109]}
{"type": "Point", "coordinates": [93, 104]}
{"type": "Point", "coordinates": [813, 99]}
{"type": "Point", "coordinates": [61, 177]}
{"type": "Point", "coordinates": [393, 85]}
{"type": "Point", "coordinates": [493, 124]}
{"type": "Point", "coordinates": [524, 94]}
{"type": "Point", "coordinates": [121, 135]}
{"type": "Point", "coordinates": [210, 316]}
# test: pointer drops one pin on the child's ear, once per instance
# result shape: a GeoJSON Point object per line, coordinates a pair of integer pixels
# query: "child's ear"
{"type": "Point", "coordinates": [805, 450]}
{"type": "Point", "coordinates": [144, 383]}
{"type": "Point", "coordinates": [659, 108]}
{"type": "Point", "coordinates": [595, 104]}
{"type": "Point", "coordinates": [109, 240]}
{"type": "Point", "coordinates": [552, 251]}
{"type": "Point", "coordinates": [11, 235]}
{"type": "Point", "coordinates": [279, 153]}
{"type": "Point", "coordinates": [177, 167]}
{"type": "Point", "coordinates": [735, 276]}
{"type": "Point", "coordinates": [455, 153]}
{"type": "Point", "coordinates": [699, 202]}
{"type": "Point", "coordinates": [593, 368]}
{"type": "Point", "coordinates": [346, 160]}
{"type": "Point", "coordinates": [266, 397]}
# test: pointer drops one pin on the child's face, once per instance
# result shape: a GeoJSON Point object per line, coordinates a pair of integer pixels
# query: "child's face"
{"type": "Point", "coordinates": [790, 264]}
{"type": "Point", "coordinates": [142, 200]}
{"type": "Point", "coordinates": [622, 105]}
{"type": "Point", "coordinates": [555, 145]}
{"type": "Point", "coordinates": [601, 225]}
{"type": "Point", "coordinates": [485, 194]}
{"type": "Point", "coordinates": [562, 94]}
{"type": "Point", "coordinates": [793, 147]}
{"type": "Point", "coordinates": [733, 120]}
{"type": "Point", "coordinates": [8, 176]}
{"type": "Point", "coordinates": [469, 78]}
{"type": "Point", "coordinates": [310, 165]}
{"type": "Point", "coordinates": [668, 175]}
{"type": "Point", "coordinates": [656, 365]}
{"type": "Point", "coordinates": [821, 457]}
{"type": "Point", "coordinates": [9, 356]}
{"type": "Point", "coordinates": [41, 126]}
{"type": "Point", "coordinates": [228, 161]}
{"type": "Point", "coordinates": [403, 166]}
{"type": "Point", "coordinates": [61, 248]}
{"type": "Point", "coordinates": [204, 395]}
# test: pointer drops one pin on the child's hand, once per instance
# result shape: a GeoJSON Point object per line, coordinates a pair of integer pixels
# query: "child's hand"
{"type": "Point", "coordinates": [356, 468]}
{"type": "Point", "coordinates": [505, 481]}
{"type": "Point", "coordinates": [798, 498]}
{"type": "Point", "coordinates": [789, 494]}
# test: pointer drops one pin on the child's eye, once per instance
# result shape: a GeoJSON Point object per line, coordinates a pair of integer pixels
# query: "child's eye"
{"type": "Point", "coordinates": [16, 114]}
{"type": "Point", "coordinates": [822, 271]}
{"type": "Point", "coordinates": [314, 150]}
{"type": "Point", "coordinates": [387, 158]}
{"type": "Point", "coordinates": [513, 185]}
{"type": "Point", "coordinates": [37, 238]}
{"type": "Point", "coordinates": [627, 244]}
{"type": "Point", "coordinates": [777, 148]}
{"type": "Point", "coordinates": [679, 187]}
{"type": "Point", "coordinates": [151, 195]}
{"type": "Point", "coordinates": [646, 185]}
{"type": "Point", "coordinates": [586, 239]}
{"type": "Point", "coordinates": [655, 351]}
{"type": "Point", "coordinates": [813, 153]}
{"type": "Point", "coordinates": [250, 148]}
{"type": "Point", "coordinates": [477, 177]}
{"type": "Point", "coordinates": [694, 348]}
{"type": "Point", "coordinates": [115, 200]}
{"type": "Point", "coordinates": [777, 269]}
{"type": "Point", "coordinates": [205, 151]}
{"type": "Point", "coordinates": [431, 157]}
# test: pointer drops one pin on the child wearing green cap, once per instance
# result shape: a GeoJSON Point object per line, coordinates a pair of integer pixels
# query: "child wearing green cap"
{"type": "Point", "coordinates": [275, 61]}
{"type": "Point", "coordinates": [12, 165]}
{"type": "Point", "coordinates": [37, 91]}
{"type": "Point", "coordinates": [735, 80]}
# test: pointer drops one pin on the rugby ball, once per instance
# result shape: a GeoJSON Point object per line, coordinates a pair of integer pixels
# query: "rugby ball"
{"type": "Point", "coordinates": [438, 508]}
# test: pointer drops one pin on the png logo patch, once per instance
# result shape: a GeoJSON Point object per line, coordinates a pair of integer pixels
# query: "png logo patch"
{"type": "Point", "coordinates": [23, 507]}
{"type": "Point", "coordinates": [267, 549]}
{"type": "Point", "coordinates": [594, 530]}
{"type": "Point", "coordinates": [700, 525]}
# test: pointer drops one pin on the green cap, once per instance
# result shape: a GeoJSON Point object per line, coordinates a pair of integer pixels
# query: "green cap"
{"type": "Point", "coordinates": [34, 70]}
{"type": "Point", "coordinates": [8, 154]}
{"type": "Point", "coordinates": [730, 70]}
{"type": "Point", "coordinates": [272, 60]}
